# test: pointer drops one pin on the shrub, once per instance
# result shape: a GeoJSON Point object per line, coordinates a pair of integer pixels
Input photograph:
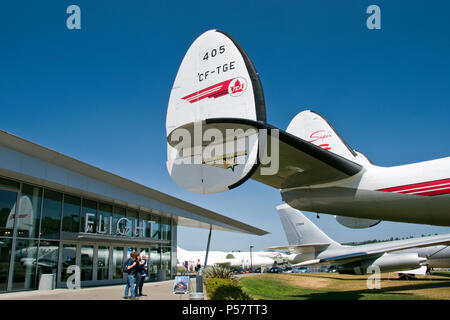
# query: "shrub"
{"type": "Point", "coordinates": [225, 289]}
{"type": "Point", "coordinates": [180, 269]}
{"type": "Point", "coordinates": [220, 272]}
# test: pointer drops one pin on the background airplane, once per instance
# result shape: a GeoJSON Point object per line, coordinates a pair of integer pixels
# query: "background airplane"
{"type": "Point", "coordinates": [311, 246]}
{"type": "Point", "coordinates": [234, 258]}
{"type": "Point", "coordinates": [216, 140]}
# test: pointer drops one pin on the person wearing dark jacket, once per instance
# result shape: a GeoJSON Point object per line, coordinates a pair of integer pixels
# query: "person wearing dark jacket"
{"type": "Point", "coordinates": [142, 270]}
{"type": "Point", "coordinates": [130, 269]}
{"type": "Point", "coordinates": [139, 277]}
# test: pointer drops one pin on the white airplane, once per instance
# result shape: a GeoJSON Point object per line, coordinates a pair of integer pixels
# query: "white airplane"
{"type": "Point", "coordinates": [311, 246]}
{"type": "Point", "coordinates": [217, 138]}
{"type": "Point", "coordinates": [234, 258]}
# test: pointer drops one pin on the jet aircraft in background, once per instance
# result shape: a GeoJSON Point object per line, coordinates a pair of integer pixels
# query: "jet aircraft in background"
{"type": "Point", "coordinates": [308, 246]}
{"type": "Point", "coordinates": [234, 258]}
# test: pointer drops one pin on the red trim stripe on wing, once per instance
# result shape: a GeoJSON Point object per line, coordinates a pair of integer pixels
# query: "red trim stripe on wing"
{"type": "Point", "coordinates": [430, 188]}
{"type": "Point", "coordinates": [214, 91]}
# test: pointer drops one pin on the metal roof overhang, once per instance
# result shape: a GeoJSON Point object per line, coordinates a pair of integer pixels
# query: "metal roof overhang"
{"type": "Point", "coordinates": [33, 163]}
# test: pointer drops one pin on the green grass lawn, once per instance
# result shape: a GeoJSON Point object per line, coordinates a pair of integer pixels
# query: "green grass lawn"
{"type": "Point", "coordinates": [323, 286]}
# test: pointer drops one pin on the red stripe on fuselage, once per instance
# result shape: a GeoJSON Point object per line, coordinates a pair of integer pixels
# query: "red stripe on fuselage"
{"type": "Point", "coordinates": [430, 188]}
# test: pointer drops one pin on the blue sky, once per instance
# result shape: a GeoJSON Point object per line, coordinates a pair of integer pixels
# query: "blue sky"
{"type": "Point", "coordinates": [100, 94]}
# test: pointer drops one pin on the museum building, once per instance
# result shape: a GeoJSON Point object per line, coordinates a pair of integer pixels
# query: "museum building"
{"type": "Point", "coordinates": [57, 212]}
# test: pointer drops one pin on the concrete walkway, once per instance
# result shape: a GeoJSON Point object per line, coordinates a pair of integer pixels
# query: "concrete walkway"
{"type": "Point", "coordinates": [154, 290]}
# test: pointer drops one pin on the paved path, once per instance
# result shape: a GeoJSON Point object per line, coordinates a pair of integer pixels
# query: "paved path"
{"type": "Point", "coordinates": [154, 290]}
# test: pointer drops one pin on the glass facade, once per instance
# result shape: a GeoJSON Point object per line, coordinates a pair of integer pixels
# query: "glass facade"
{"type": "Point", "coordinates": [5, 257]}
{"type": "Point", "coordinates": [87, 263]}
{"type": "Point", "coordinates": [117, 262]}
{"type": "Point", "coordinates": [102, 263]}
{"type": "Point", "coordinates": [119, 222]}
{"type": "Point", "coordinates": [29, 212]}
{"type": "Point", "coordinates": [165, 229]}
{"type": "Point", "coordinates": [51, 214]}
{"type": "Point", "coordinates": [103, 219]}
{"type": "Point", "coordinates": [89, 209]}
{"type": "Point", "coordinates": [155, 259]}
{"type": "Point", "coordinates": [47, 259]}
{"type": "Point", "coordinates": [8, 200]}
{"type": "Point", "coordinates": [132, 223]}
{"type": "Point", "coordinates": [68, 258]}
{"type": "Point", "coordinates": [71, 214]}
{"type": "Point", "coordinates": [24, 272]}
{"type": "Point", "coordinates": [43, 236]}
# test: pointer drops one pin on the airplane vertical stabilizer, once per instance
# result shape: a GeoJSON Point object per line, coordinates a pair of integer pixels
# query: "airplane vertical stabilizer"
{"type": "Point", "coordinates": [300, 230]}
{"type": "Point", "coordinates": [312, 127]}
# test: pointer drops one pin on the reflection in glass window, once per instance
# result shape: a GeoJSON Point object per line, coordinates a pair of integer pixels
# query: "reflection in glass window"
{"type": "Point", "coordinates": [165, 228]}
{"type": "Point", "coordinates": [132, 216]}
{"type": "Point", "coordinates": [165, 261]}
{"type": "Point", "coordinates": [104, 213]}
{"type": "Point", "coordinates": [29, 212]}
{"type": "Point", "coordinates": [144, 251]}
{"type": "Point", "coordinates": [9, 184]}
{"type": "Point", "coordinates": [117, 262]}
{"type": "Point", "coordinates": [88, 206]}
{"type": "Point", "coordinates": [102, 263]}
{"type": "Point", "coordinates": [71, 214]}
{"type": "Point", "coordinates": [24, 273]}
{"type": "Point", "coordinates": [87, 262]}
{"type": "Point", "coordinates": [5, 255]}
{"type": "Point", "coordinates": [145, 217]}
{"type": "Point", "coordinates": [119, 213]}
{"type": "Point", "coordinates": [156, 228]}
{"type": "Point", "coordinates": [7, 212]}
{"type": "Point", "coordinates": [68, 259]}
{"type": "Point", "coordinates": [47, 258]}
{"type": "Point", "coordinates": [155, 258]}
{"type": "Point", "coordinates": [51, 214]}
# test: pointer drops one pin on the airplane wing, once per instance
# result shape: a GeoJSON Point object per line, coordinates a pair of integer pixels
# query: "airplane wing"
{"type": "Point", "coordinates": [299, 246]}
{"type": "Point", "coordinates": [372, 250]}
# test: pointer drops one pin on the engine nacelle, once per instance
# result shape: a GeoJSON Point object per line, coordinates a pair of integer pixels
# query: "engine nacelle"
{"type": "Point", "coordinates": [388, 262]}
{"type": "Point", "coordinates": [356, 223]}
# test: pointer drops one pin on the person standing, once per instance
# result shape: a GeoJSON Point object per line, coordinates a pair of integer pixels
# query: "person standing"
{"type": "Point", "coordinates": [143, 275]}
{"type": "Point", "coordinates": [139, 277]}
{"type": "Point", "coordinates": [130, 268]}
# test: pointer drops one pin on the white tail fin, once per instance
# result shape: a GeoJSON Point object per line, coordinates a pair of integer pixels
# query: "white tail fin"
{"type": "Point", "coordinates": [300, 230]}
{"type": "Point", "coordinates": [215, 82]}
{"type": "Point", "coordinates": [312, 127]}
